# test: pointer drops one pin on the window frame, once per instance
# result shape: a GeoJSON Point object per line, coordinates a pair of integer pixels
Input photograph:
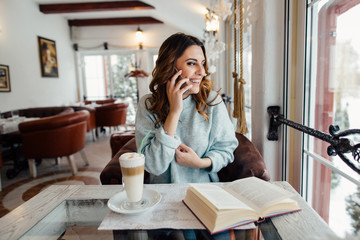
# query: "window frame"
{"type": "Point", "coordinates": [309, 158]}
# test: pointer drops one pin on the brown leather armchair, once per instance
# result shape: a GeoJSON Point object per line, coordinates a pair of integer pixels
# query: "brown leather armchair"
{"type": "Point", "coordinates": [111, 100]}
{"type": "Point", "coordinates": [13, 140]}
{"type": "Point", "coordinates": [111, 114]}
{"type": "Point", "coordinates": [91, 122]}
{"type": "Point", "coordinates": [105, 101]}
{"type": "Point", "coordinates": [247, 160]}
{"type": "Point", "coordinates": [40, 112]}
{"type": "Point", "coordinates": [53, 137]}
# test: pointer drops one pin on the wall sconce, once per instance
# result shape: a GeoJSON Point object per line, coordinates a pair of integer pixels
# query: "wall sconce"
{"type": "Point", "coordinates": [212, 22]}
{"type": "Point", "coordinates": [139, 37]}
{"type": "Point", "coordinates": [213, 45]}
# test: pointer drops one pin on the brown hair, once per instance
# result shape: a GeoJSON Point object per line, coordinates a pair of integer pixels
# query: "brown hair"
{"type": "Point", "coordinates": [172, 49]}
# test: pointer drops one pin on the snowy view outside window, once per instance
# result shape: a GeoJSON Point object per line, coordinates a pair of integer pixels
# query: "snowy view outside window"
{"type": "Point", "coordinates": [104, 76]}
{"type": "Point", "coordinates": [333, 99]}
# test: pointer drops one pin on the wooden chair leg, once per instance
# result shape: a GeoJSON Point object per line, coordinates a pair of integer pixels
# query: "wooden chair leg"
{"type": "Point", "coordinates": [57, 160]}
{"type": "Point", "coordinates": [83, 155]}
{"type": "Point", "coordinates": [97, 132]}
{"type": "Point", "coordinates": [32, 167]}
{"type": "Point", "coordinates": [72, 164]}
{"type": "Point", "coordinates": [93, 133]}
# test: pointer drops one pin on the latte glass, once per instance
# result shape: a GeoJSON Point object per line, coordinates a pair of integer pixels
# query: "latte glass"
{"type": "Point", "coordinates": [132, 169]}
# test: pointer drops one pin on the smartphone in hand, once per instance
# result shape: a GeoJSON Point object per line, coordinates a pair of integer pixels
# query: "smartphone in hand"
{"type": "Point", "coordinates": [178, 79]}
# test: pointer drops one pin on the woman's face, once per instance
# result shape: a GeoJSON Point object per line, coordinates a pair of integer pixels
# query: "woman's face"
{"type": "Point", "coordinates": [192, 64]}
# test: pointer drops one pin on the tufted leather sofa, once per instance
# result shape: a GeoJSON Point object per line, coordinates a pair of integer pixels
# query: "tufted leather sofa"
{"type": "Point", "coordinates": [247, 160]}
{"type": "Point", "coordinates": [54, 136]}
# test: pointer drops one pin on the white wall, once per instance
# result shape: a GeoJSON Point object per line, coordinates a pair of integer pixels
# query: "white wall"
{"type": "Point", "coordinates": [21, 22]}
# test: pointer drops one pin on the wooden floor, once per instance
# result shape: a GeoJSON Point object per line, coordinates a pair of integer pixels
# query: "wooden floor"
{"type": "Point", "coordinates": [21, 188]}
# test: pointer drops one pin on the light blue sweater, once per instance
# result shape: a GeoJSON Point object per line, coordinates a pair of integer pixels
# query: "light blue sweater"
{"type": "Point", "coordinates": [214, 139]}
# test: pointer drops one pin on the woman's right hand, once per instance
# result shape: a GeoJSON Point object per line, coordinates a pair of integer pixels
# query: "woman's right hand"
{"type": "Point", "coordinates": [175, 93]}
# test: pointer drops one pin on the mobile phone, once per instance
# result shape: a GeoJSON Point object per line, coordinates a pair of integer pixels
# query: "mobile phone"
{"type": "Point", "coordinates": [178, 79]}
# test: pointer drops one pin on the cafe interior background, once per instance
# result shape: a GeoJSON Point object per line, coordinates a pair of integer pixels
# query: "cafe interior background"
{"type": "Point", "coordinates": [302, 56]}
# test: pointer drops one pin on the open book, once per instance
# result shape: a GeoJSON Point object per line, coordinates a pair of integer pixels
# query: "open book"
{"type": "Point", "coordinates": [237, 203]}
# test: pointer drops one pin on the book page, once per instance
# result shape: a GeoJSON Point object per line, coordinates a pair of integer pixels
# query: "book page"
{"type": "Point", "coordinates": [257, 193]}
{"type": "Point", "coordinates": [220, 198]}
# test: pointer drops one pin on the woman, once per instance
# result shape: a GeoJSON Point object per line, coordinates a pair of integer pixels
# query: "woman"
{"type": "Point", "coordinates": [192, 137]}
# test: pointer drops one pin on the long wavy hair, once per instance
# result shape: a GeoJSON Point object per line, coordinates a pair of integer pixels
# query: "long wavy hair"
{"type": "Point", "coordinates": [171, 49]}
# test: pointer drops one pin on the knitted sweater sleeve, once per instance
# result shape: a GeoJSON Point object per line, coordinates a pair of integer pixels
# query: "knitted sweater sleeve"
{"type": "Point", "coordinates": [222, 139]}
{"type": "Point", "coordinates": [159, 148]}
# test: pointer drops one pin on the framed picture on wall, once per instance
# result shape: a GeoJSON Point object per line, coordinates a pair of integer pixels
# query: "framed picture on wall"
{"type": "Point", "coordinates": [48, 57]}
{"type": "Point", "coordinates": [4, 78]}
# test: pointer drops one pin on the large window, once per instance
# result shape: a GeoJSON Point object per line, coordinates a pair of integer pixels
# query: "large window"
{"type": "Point", "coordinates": [332, 98]}
{"type": "Point", "coordinates": [108, 74]}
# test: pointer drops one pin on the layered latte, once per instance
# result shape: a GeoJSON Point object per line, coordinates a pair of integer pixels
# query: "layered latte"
{"type": "Point", "coordinates": [132, 169]}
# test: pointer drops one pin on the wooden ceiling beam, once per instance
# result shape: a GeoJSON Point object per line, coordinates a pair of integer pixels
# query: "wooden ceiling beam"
{"type": "Point", "coordinates": [113, 21]}
{"type": "Point", "coordinates": [93, 7]}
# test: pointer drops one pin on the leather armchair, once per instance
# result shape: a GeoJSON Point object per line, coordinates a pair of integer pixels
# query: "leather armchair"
{"type": "Point", "coordinates": [105, 101]}
{"type": "Point", "coordinates": [53, 137]}
{"type": "Point", "coordinates": [247, 160]}
{"type": "Point", "coordinates": [40, 112]}
{"type": "Point", "coordinates": [111, 114]}
{"type": "Point", "coordinates": [91, 122]}
{"type": "Point", "coordinates": [111, 100]}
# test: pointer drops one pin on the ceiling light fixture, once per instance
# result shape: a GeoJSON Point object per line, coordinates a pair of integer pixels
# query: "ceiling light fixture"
{"type": "Point", "coordinates": [139, 37]}
{"type": "Point", "coordinates": [212, 22]}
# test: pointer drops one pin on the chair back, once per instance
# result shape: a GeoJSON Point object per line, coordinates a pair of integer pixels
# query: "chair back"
{"type": "Point", "coordinates": [91, 122]}
{"type": "Point", "coordinates": [55, 136]}
{"type": "Point", "coordinates": [112, 114]}
{"type": "Point", "coordinates": [44, 111]}
{"type": "Point", "coordinates": [247, 160]}
{"type": "Point", "coordinates": [105, 101]}
{"type": "Point", "coordinates": [39, 112]}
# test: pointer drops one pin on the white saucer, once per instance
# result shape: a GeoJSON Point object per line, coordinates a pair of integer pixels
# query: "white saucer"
{"type": "Point", "coordinates": [152, 199]}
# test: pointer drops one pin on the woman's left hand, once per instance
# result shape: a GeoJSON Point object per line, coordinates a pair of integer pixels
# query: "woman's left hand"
{"type": "Point", "coordinates": [186, 157]}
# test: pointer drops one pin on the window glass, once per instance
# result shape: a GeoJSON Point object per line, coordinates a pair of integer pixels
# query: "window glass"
{"type": "Point", "coordinates": [332, 98]}
{"type": "Point", "coordinates": [123, 86]}
{"type": "Point", "coordinates": [247, 60]}
{"type": "Point", "coordinates": [94, 77]}
{"type": "Point", "coordinates": [108, 75]}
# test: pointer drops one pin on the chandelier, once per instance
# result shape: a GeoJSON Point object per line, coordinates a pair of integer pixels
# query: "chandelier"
{"type": "Point", "coordinates": [214, 47]}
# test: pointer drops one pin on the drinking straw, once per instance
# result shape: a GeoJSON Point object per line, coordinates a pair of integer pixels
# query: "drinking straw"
{"type": "Point", "coordinates": [142, 141]}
